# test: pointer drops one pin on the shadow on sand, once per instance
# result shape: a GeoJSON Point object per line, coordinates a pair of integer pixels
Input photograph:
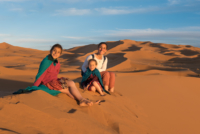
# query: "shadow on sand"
{"type": "Point", "coordinates": [114, 59]}
{"type": "Point", "coordinates": [92, 47]}
{"type": "Point", "coordinates": [10, 86]}
{"type": "Point", "coordinates": [192, 64]}
{"type": "Point", "coordinates": [133, 48]}
{"type": "Point", "coordinates": [9, 131]}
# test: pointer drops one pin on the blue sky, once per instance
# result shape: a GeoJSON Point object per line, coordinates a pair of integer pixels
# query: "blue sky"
{"type": "Point", "coordinates": [40, 23]}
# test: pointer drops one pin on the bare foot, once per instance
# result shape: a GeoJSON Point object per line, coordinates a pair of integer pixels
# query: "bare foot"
{"type": "Point", "coordinates": [102, 94]}
{"type": "Point", "coordinates": [85, 102]}
{"type": "Point", "coordinates": [112, 90]}
{"type": "Point", "coordinates": [106, 88]}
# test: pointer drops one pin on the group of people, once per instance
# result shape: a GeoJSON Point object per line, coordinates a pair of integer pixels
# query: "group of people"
{"type": "Point", "coordinates": [94, 75]}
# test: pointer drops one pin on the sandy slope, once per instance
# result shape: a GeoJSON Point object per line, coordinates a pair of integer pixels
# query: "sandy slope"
{"type": "Point", "coordinates": [156, 91]}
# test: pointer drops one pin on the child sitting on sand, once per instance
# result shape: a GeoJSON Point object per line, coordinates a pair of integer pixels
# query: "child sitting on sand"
{"type": "Point", "coordinates": [92, 78]}
{"type": "Point", "coordinates": [47, 79]}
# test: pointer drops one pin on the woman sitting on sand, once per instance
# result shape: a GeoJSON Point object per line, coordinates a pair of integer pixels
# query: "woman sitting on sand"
{"type": "Point", "coordinates": [92, 78]}
{"type": "Point", "coordinates": [47, 79]}
{"type": "Point", "coordinates": [107, 77]}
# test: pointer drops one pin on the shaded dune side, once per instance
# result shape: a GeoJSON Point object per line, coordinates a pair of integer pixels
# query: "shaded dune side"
{"type": "Point", "coordinates": [123, 55]}
{"type": "Point", "coordinates": [7, 87]}
{"type": "Point", "coordinates": [92, 47]}
{"type": "Point", "coordinates": [136, 56]}
{"type": "Point", "coordinates": [75, 57]}
{"type": "Point", "coordinates": [144, 56]}
{"type": "Point", "coordinates": [192, 64]}
{"type": "Point", "coordinates": [83, 49]}
{"type": "Point", "coordinates": [19, 57]}
{"type": "Point", "coordinates": [115, 59]}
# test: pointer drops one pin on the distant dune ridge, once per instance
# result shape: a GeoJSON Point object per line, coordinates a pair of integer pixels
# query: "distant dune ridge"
{"type": "Point", "coordinates": [157, 91]}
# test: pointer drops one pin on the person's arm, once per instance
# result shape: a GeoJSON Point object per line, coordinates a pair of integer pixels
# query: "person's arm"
{"type": "Point", "coordinates": [104, 66]}
{"type": "Point", "coordinates": [44, 65]}
{"type": "Point", "coordinates": [85, 87]}
{"type": "Point", "coordinates": [85, 64]}
{"type": "Point", "coordinates": [39, 80]}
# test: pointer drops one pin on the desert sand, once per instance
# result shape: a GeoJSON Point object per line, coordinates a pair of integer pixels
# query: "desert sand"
{"type": "Point", "coordinates": [156, 92]}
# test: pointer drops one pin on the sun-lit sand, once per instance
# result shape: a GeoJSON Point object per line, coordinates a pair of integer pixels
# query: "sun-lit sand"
{"type": "Point", "coordinates": [157, 91]}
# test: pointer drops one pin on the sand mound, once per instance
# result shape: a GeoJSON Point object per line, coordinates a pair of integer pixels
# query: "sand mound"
{"type": "Point", "coordinates": [135, 56]}
{"type": "Point", "coordinates": [39, 112]}
{"type": "Point", "coordinates": [156, 91]}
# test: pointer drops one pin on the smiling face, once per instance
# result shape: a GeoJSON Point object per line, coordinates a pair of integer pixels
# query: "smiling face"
{"type": "Point", "coordinates": [92, 65]}
{"type": "Point", "coordinates": [102, 49]}
{"type": "Point", "coordinates": [56, 52]}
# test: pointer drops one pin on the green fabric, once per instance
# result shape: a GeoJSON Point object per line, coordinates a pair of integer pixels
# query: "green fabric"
{"type": "Point", "coordinates": [41, 87]}
{"type": "Point", "coordinates": [95, 72]}
{"type": "Point", "coordinates": [46, 62]}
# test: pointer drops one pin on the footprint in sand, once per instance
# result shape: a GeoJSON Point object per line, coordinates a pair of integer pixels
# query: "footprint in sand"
{"type": "Point", "coordinates": [112, 123]}
{"type": "Point", "coordinates": [1, 106]}
{"type": "Point", "coordinates": [113, 94]}
{"type": "Point", "coordinates": [116, 93]}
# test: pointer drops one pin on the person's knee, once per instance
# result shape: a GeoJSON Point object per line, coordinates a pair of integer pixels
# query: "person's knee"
{"type": "Point", "coordinates": [93, 88]}
{"type": "Point", "coordinates": [107, 75]}
{"type": "Point", "coordinates": [112, 74]}
{"type": "Point", "coordinates": [94, 83]}
{"type": "Point", "coordinates": [70, 83]}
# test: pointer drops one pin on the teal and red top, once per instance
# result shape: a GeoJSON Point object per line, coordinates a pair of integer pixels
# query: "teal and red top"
{"type": "Point", "coordinates": [48, 71]}
{"type": "Point", "coordinates": [95, 72]}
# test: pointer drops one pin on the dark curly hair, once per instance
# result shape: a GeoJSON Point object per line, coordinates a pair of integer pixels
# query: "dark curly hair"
{"type": "Point", "coordinates": [56, 45]}
{"type": "Point", "coordinates": [103, 43]}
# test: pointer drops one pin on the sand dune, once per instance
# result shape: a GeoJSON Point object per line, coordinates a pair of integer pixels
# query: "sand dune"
{"type": "Point", "coordinates": [156, 91]}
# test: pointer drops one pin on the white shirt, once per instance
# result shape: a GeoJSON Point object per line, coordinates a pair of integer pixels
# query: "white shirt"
{"type": "Point", "coordinates": [101, 64]}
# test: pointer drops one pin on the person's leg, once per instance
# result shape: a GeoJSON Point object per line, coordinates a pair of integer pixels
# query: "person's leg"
{"type": "Point", "coordinates": [112, 81]}
{"type": "Point", "coordinates": [98, 88]}
{"type": "Point", "coordinates": [73, 90]}
{"type": "Point", "coordinates": [76, 94]}
{"type": "Point", "coordinates": [105, 75]}
{"type": "Point", "coordinates": [66, 91]}
{"type": "Point", "coordinates": [93, 88]}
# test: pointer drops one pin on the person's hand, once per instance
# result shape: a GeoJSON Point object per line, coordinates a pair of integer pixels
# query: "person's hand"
{"type": "Point", "coordinates": [65, 78]}
{"type": "Point", "coordinates": [85, 87]}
